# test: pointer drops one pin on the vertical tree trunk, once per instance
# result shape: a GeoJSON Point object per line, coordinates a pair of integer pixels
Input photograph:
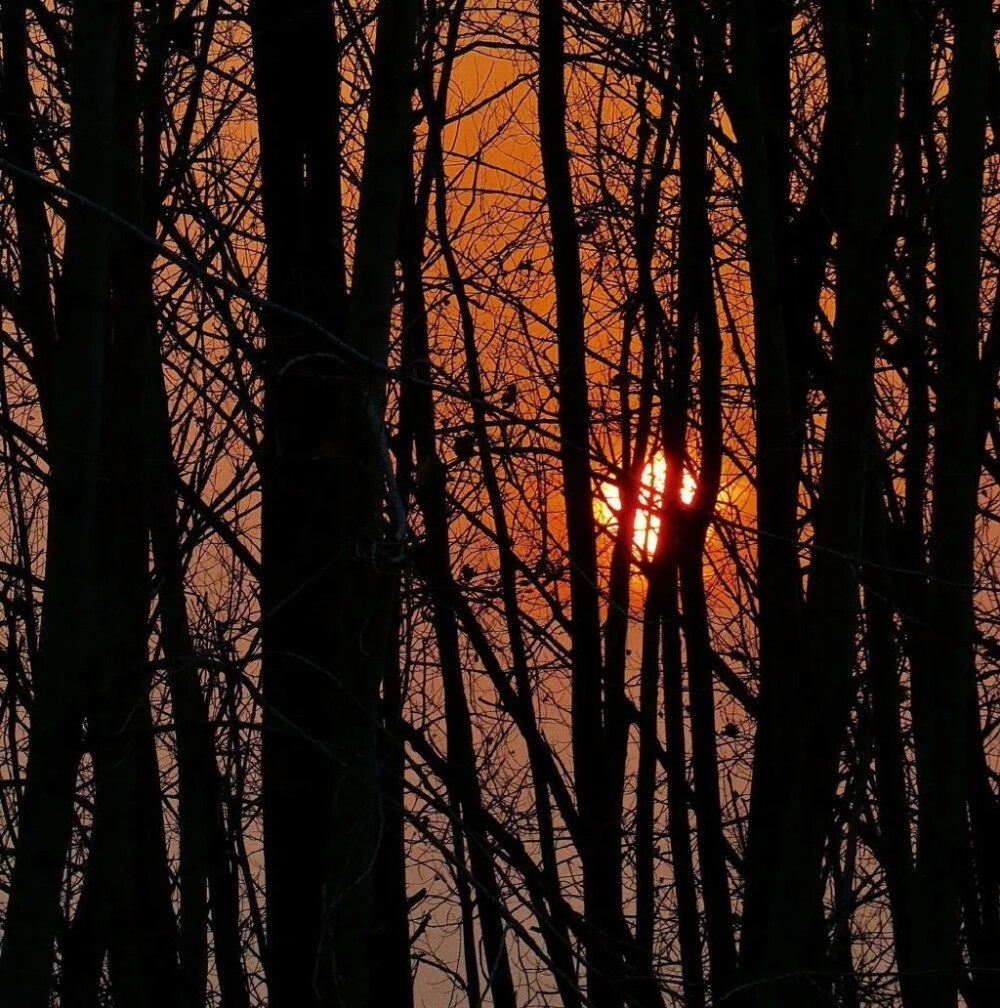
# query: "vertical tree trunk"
{"type": "Point", "coordinates": [140, 917]}
{"type": "Point", "coordinates": [201, 842]}
{"type": "Point", "coordinates": [697, 314]}
{"type": "Point", "coordinates": [325, 618]}
{"type": "Point", "coordinates": [392, 977]}
{"type": "Point", "coordinates": [206, 875]}
{"type": "Point", "coordinates": [300, 176]}
{"type": "Point", "coordinates": [600, 843]}
{"type": "Point", "coordinates": [28, 203]}
{"type": "Point", "coordinates": [463, 780]}
{"type": "Point", "coordinates": [944, 691]}
{"type": "Point", "coordinates": [885, 692]}
{"type": "Point", "coordinates": [906, 592]}
{"type": "Point", "coordinates": [783, 908]}
{"type": "Point", "coordinates": [678, 816]}
{"type": "Point", "coordinates": [68, 664]}
{"type": "Point", "coordinates": [764, 207]}
{"type": "Point", "coordinates": [127, 881]}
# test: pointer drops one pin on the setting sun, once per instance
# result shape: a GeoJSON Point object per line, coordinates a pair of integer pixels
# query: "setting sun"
{"type": "Point", "coordinates": [647, 518]}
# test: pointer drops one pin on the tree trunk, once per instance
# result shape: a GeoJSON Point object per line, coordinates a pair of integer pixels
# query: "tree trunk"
{"type": "Point", "coordinates": [600, 835]}
{"type": "Point", "coordinates": [463, 780]}
{"type": "Point", "coordinates": [697, 315]}
{"type": "Point", "coordinates": [784, 906]}
{"type": "Point", "coordinates": [325, 618]}
{"type": "Point", "coordinates": [764, 205]}
{"type": "Point", "coordinates": [944, 691]}
{"type": "Point", "coordinates": [68, 664]}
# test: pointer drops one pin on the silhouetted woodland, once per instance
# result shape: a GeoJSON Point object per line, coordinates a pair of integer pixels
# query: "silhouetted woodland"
{"type": "Point", "coordinates": [500, 504]}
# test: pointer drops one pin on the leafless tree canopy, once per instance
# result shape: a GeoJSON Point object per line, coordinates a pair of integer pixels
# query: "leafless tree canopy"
{"type": "Point", "coordinates": [500, 504]}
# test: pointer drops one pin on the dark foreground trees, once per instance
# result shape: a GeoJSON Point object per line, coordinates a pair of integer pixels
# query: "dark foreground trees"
{"type": "Point", "coordinates": [500, 504]}
{"type": "Point", "coordinates": [328, 563]}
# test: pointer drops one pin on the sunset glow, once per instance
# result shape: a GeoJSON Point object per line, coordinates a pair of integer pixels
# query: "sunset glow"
{"type": "Point", "coordinates": [501, 504]}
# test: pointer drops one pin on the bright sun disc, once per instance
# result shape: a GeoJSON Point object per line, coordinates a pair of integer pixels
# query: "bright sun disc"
{"type": "Point", "coordinates": [647, 516]}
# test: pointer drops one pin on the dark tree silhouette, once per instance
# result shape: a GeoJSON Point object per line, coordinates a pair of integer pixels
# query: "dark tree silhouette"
{"type": "Point", "coordinates": [327, 562]}
{"type": "Point", "coordinates": [499, 504]}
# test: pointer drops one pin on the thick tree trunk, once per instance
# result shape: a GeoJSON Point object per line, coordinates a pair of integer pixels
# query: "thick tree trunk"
{"type": "Point", "coordinates": [128, 879]}
{"type": "Point", "coordinates": [944, 691]}
{"type": "Point", "coordinates": [765, 199]}
{"type": "Point", "coordinates": [140, 924]}
{"type": "Point", "coordinates": [783, 907]}
{"type": "Point", "coordinates": [69, 662]}
{"type": "Point", "coordinates": [325, 618]}
{"type": "Point", "coordinates": [300, 176]}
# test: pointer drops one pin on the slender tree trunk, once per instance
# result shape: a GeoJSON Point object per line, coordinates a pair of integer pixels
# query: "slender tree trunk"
{"type": "Point", "coordinates": [678, 816]}
{"type": "Point", "coordinates": [463, 780]}
{"type": "Point", "coordinates": [207, 880]}
{"type": "Point", "coordinates": [392, 978]}
{"type": "Point", "coordinates": [202, 845]}
{"type": "Point", "coordinates": [697, 314]}
{"type": "Point", "coordinates": [984, 809]}
{"type": "Point", "coordinates": [981, 899]}
{"type": "Point", "coordinates": [33, 233]}
{"type": "Point", "coordinates": [517, 700]}
{"type": "Point", "coordinates": [646, 772]}
{"type": "Point", "coordinates": [600, 837]}
{"type": "Point", "coordinates": [902, 546]}
{"type": "Point", "coordinates": [885, 691]}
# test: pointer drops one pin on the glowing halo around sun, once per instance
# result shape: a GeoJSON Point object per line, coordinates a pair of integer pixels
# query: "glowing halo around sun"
{"type": "Point", "coordinates": [608, 503]}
